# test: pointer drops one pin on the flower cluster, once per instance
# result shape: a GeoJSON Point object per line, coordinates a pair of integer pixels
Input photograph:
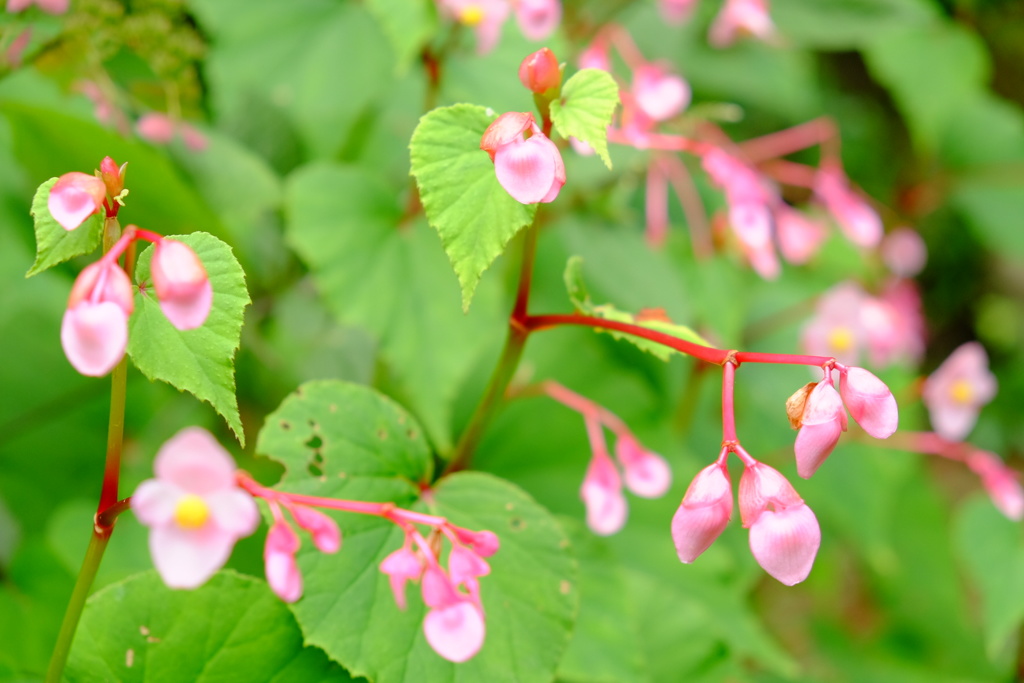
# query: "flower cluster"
{"type": "Point", "coordinates": [94, 330]}
{"type": "Point", "coordinates": [735, 20]}
{"type": "Point", "coordinates": [537, 19]}
{"type": "Point", "coordinates": [198, 506]}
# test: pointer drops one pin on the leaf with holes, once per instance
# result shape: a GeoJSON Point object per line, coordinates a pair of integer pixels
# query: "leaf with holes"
{"type": "Point", "coordinates": [54, 244]}
{"type": "Point", "coordinates": [585, 109]}
{"type": "Point", "coordinates": [346, 441]}
{"type": "Point", "coordinates": [231, 629]}
{"type": "Point", "coordinates": [199, 361]}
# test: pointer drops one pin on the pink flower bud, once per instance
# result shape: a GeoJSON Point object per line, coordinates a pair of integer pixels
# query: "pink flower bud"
{"type": "Point", "coordinates": [156, 128]}
{"type": "Point", "coordinates": [762, 486]}
{"type": "Point", "coordinates": [799, 237]}
{"type": "Point", "coordinates": [869, 401]}
{"type": "Point", "coordinates": [324, 530]}
{"type": "Point", "coordinates": [464, 564]}
{"type": "Point", "coordinates": [181, 284]}
{"type": "Point", "coordinates": [540, 71]}
{"type": "Point", "coordinates": [659, 95]}
{"type": "Point", "coordinates": [956, 391]}
{"type": "Point", "coordinates": [538, 19]}
{"type": "Point", "coordinates": [904, 252]}
{"type": "Point", "coordinates": [74, 197]}
{"type": "Point", "coordinates": [456, 632]}
{"type": "Point", "coordinates": [704, 512]}
{"type": "Point", "coordinates": [94, 331]}
{"type": "Point", "coordinates": [602, 496]}
{"type": "Point", "coordinates": [740, 18]}
{"type": "Point", "coordinates": [676, 11]}
{"type": "Point", "coordinates": [751, 222]}
{"type": "Point", "coordinates": [279, 556]}
{"type": "Point", "coordinates": [646, 473]}
{"type": "Point", "coordinates": [785, 542]}
{"type": "Point", "coordinates": [112, 176]}
{"type": "Point", "coordinates": [1000, 482]}
{"type": "Point", "coordinates": [484, 543]}
{"type": "Point", "coordinates": [822, 423]}
{"type": "Point", "coordinates": [401, 566]}
{"type": "Point", "coordinates": [596, 56]}
{"type": "Point", "coordinates": [437, 589]}
{"type": "Point", "coordinates": [856, 218]}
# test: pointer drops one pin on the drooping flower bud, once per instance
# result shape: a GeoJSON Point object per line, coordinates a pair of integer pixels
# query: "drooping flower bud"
{"type": "Point", "coordinates": [799, 236]}
{"type": "Point", "coordinates": [74, 197]}
{"type": "Point", "coordinates": [456, 631]}
{"type": "Point", "coordinates": [785, 542]}
{"type": "Point", "coordinates": [659, 94]}
{"type": "Point", "coordinates": [279, 556]}
{"type": "Point", "coordinates": [401, 566]}
{"type": "Point", "coordinates": [94, 331]}
{"type": "Point", "coordinates": [156, 128]}
{"type": "Point", "coordinates": [464, 564]}
{"type": "Point", "coordinates": [646, 473]}
{"type": "Point", "coordinates": [540, 71]}
{"type": "Point", "coordinates": [821, 424]}
{"type": "Point", "coordinates": [904, 252]}
{"type": "Point", "coordinates": [857, 220]}
{"type": "Point", "coordinates": [323, 529]}
{"type": "Point", "coordinates": [869, 401]}
{"type": "Point", "coordinates": [484, 543]}
{"type": "Point", "coordinates": [704, 512]}
{"type": "Point", "coordinates": [602, 494]}
{"type": "Point", "coordinates": [181, 284]}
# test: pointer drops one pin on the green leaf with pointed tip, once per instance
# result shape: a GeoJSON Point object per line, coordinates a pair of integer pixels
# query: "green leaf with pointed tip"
{"type": "Point", "coordinates": [463, 200]}
{"type": "Point", "coordinates": [233, 628]}
{"type": "Point", "coordinates": [347, 441]}
{"type": "Point", "coordinates": [54, 244]}
{"type": "Point", "coordinates": [199, 361]}
{"type": "Point", "coordinates": [581, 300]}
{"type": "Point", "coordinates": [585, 109]}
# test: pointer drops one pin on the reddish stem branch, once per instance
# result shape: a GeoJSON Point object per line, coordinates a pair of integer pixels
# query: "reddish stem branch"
{"type": "Point", "coordinates": [820, 131]}
{"type": "Point", "coordinates": [728, 405]}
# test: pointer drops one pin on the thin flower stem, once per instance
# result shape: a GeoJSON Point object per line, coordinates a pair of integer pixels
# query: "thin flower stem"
{"type": "Point", "coordinates": [584, 406]}
{"type": "Point", "coordinates": [818, 131]}
{"type": "Point", "coordinates": [728, 404]}
{"type": "Point", "coordinates": [668, 143]}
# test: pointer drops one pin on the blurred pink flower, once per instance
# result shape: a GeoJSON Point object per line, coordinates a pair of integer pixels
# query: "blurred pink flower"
{"type": "Point", "coordinates": [156, 128]}
{"type": "Point", "coordinates": [1000, 482]}
{"type": "Point", "coordinates": [537, 19]}
{"type": "Point", "coordinates": [454, 626]}
{"type": "Point", "coordinates": [836, 329]}
{"type": "Point", "coordinates": [904, 252]}
{"type": "Point", "coordinates": [94, 330]}
{"type": "Point", "coordinates": [799, 236]}
{"type": "Point", "coordinates": [279, 559]}
{"type": "Point", "coordinates": [194, 508]}
{"type": "Point", "coordinates": [659, 94]}
{"type": "Point", "coordinates": [646, 473]}
{"type": "Point", "coordinates": [857, 220]}
{"type": "Point", "coordinates": [676, 11]}
{"type": "Point", "coordinates": [602, 495]}
{"type": "Point", "coordinates": [739, 18]}
{"type": "Point", "coordinates": [181, 284]}
{"type": "Point", "coordinates": [48, 6]}
{"type": "Point", "coordinates": [703, 513]}
{"type": "Point", "coordinates": [596, 56]}
{"type": "Point", "coordinates": [323, 530]}
{"type": "Point", "coordinates": [530, 169]}
{"type": "Point", "coordinates": [956, 391]}
{"type": "Point", "coordinates": [485, 17]}
{"type": "Point", "coordinates": [822, 423]}
{"type": "Point", "coordinates": [401, 566]}
{"type": "Point", "coordinates": [74, 197]}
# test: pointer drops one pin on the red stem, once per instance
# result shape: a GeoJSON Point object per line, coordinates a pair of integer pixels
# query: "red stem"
{"type": "Point", "coordinates": [728, 406]}
{"type": "Point", "coordinates": [820, 131]}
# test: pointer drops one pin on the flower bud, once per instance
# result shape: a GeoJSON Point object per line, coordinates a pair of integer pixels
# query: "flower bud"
{"type": "Point", "coordinates": [869, 401]}
{"type": "Point", "coordinates": [785, 542]}
{"type": "Point", "coordinates": [279, 556]}
{"type": "Point", "coordinates": [456, 632]}
{"type": "Point", "coordinates": [112, 175]}
{"type": "Point", "coordinates": [181, 284]}
{"type": "Point", "coordinates": [156, 128]}
{"type": "Point", "coordinates": [822, 423]}
{"type": "Point", "coordinates": [94, 330]}
{"type": "Point", "coordinates": [857, 220]}
{"type": "Point", "coordinates": [324, 530]}
{"type": "Point", "coordinates": [1000, 482]}
{"type": "Point", "coordinates": [401, 566]}
{"type": "Point", "coordinates": [540, 71]}
{"type": "Point", "coordinates": [646, 473]}
{"type": "Point", "coordinates": [74, 197]}
{"type": "Point", "coordinates": [602, 494]}
{"type": "Point", "coordinates": [704, 512]}
{"type": "Point", "coordinates": [659, 95]}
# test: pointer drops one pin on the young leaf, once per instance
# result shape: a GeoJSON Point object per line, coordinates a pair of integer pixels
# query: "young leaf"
{"type": "Point", "coordinates": [232, 628]}
{"type": "Point", "coordinates": [200, 361]}
{"type": "Point", "coordinates": [652, 319]}
{"type": "Point", "coordinates": [463, 200]}
{"type": "Point", "coordinates": [345, 440]}
{"type": "Point", "coordinates": [54, 244]}
{"type": "Point", "coordinates": [585, 109]}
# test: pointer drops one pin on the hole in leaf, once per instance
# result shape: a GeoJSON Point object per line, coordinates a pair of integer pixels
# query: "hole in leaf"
{"type": "Point", "coordinates": [516, 524]}
{"type": "Point", "coordinates": [314, 442]}
{"type": "Point", "coordinates": [286, 425]}
{"type": "Point", "coordinates": [314, 470]}
{"type": "Point", "coordinates": [318, 458]}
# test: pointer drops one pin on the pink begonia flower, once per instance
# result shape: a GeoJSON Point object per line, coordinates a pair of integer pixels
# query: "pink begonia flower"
{"type": "Point", "coordinates": [74, 197]}
{"type": "Point", "coordinates": [956, 391]}
{"type": "Point", "coordinates": [48, 6]}
{"type": "Point", "coordinates": [836, 329]}
{"type": "Point", "coordinates": [465, 565]}
{"type": "Point", "coordinates": [454, 626]}
{"type": "Point", "coordinates": [739, 18]}
{"type": "Point", "coordinates": [181, 284]}
{"type": "Point", "coordinates": [595, 56]}
{"type": "Point", "coordinates": [904, 252]}
{"type": "Point", "coordinates": [799, 236]}
{"type": "Point", "coordinates": [194, 508]}
{"type": "Point", "coordinates": [822, 423]}
{"type": "Point", "coordinates": [540, 71]}
{"type": "Point", "coordinates": [907, 339]}
{"type": "Point", "coordinates": [401, 566]}
{"type": "Point", "coordinates": [704, 512]}
{"type": "Point", "coordinates": [857, 220]}
{"type": "Point", "coordinates": [537, 19]}
{"type": "Point", "coordinates": [283, 573]}
{"type": "Point", "coordinates": [646, 473]}
{"type": "Point", "coordinates": [530, 169]}
{"type": "Point", "coordinates": [1000, 482]}
{"type": "Point", "coordinates": [602, 495]}
{"type": "Point", "coordinates": [324, 530]}
{"type": "Point", "coordinates": [676, 11]}
{"type": "Point", "coordinates": [156, 128]}
{"type": "Point", "coordinates": [785, 538]}
{"type": "Point", "coordinates": [485, 17]}
{"type": "Point", "coordinates": [659, 94]}
{"type": "Point", "coordinates": [192, 138]}
{"type": "Point", "coordinates": [484, 543]}
{"type": "Point", "coordinates": [869, 401]}
{"type": "Point", "coordinates": [94, 330]}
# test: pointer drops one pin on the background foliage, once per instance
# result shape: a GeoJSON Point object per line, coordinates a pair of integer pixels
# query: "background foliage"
{"type": "Point", "coordinates": [308, 107]}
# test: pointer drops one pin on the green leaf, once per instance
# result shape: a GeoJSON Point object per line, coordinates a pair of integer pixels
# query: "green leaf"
{"type": "Point", "coordinates": [231, 629]}
{"type": "Point", "coordinates": [394, 280]}
{"type": "Point", "coordinates": [654, 320]}
{"type": "Point", "coordinates": [585, 109]}
{"type": "Point", "coordinates": [846, 24]}
{"type": "Point", "coordinates": [408, 25]}
{"type": "Point", "coordinates": [463, 200]}
{"type": "Point", "coordinates": [347, 441]}
{"type": "Point", "coordinates": [54, 244]}
{"type": "Point", "coordinates": [200, 361]}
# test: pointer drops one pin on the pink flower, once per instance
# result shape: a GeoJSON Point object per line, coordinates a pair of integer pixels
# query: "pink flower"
{"type": "Point", "coordinates": [869, 401]}
{"type": "Point", "coordinates": [401, 566]}
{"type": "Point", "coordinates": [784, 533]}
{"type": "Point", "coordinates": [751, 222]}
{"type": "Point", "coordinates": [602, 494]}
{"type": "Point", "coordinates": [799, 236]}
{"type": "Point", "coordinates": [74, 197]}
{"type": "Point", "coordinates": [324, 530]}
{"type": "Point", "coordinates": [659, 94]}
{"type": "Point", "coordinates": [530, 169]}
{"type": "Point", "coordinates": [856, 218]}
{"type": "Point", "coordinates": [537, 19]}
{"type": "Point", "coordinates": [822, 423]}
{"type": "Point", "coordinates": [740, 18]}
{"type": "Point", "coordinates": [156, 128]}
{"type": "Point", "coordinates": [484, 543]}
{"type": "Point", "coordinates": [194, 508]}
{"type": "Point", "coordinates": [676, 11]}
{"type": "Point", "coordinates": [1001, 482]}
{"type": "Point", "coordinates": [181, 284]}
{"type": "Point", "coordinates": [540, 71]}
{"type": "Point", "coordinates": [48, 6]}
{"type": "Point", "coordinates": [904, 252]}
{"type": "Point", "coordinates": [193, 138]}
{"type": "Point", "coordinates": [464, 565]}
{"type": "Point", "coordinates": [596, 56]}
{"type": "Point", "coordinates": [454, 626]}
{"type": "Point", "coordinates": [279, 558]}
{"type": "Point", "coordinates": [907, 337]}
{"type": "Point", "coordinates": [703, 513]}
{"type": "Point", "coordinates": [646, 473]}
{"type": "Point", "coordinates": [94, 331]}
{"type": "Point", "coordinates": [485, 17]}
{"type": "Point", "coordinates": [836, 329]}
{"type": "Point", "coordinates": [956, 391]}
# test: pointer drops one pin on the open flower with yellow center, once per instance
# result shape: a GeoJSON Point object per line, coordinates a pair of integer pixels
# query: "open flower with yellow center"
{"type": "Point", "coordinates": [956, 391]}
{"type": "Point", "coordinates": [194, 508]}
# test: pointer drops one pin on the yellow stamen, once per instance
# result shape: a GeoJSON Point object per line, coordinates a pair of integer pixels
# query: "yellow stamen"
{"type": "Point", "coordinates": [840, 339]}
{"type": "Point", "coordinates": [961, 391]}
{"type": "Point", "coordinates": [472, 15]}
{"type": "Point", "coordinates": [191, 512]}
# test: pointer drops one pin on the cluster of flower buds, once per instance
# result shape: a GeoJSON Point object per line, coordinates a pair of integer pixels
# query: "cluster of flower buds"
{"type": "Point", "coordinates": [529, 168]}
{"type": "Point", "coordinates": [199, 505]}
{"type": "Point", "coordinates": [537, 19]}
{"type": "Point", "coordinates": [161, 129]}
{"type": "Point", "coordinates": [94, 330]}
{"type": "Point", "coordinates": [646, 473]}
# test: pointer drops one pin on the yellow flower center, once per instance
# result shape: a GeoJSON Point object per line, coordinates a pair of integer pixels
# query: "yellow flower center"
{"type": "Point", "coordinates": [472, 15]}
{"type": "Point", "coordinates": [961, 391]}
{"type": "Point", "coordinates": [191, 512]}
{"type": "Point", "coordinates": [840, 339]}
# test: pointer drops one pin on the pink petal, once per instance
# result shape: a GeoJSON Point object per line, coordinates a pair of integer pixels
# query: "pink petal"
{"type": "Point", "coordinates": [559, 180]}
{"type": "Point", "coordinates": [234, 511]}
{"type": "Point", "coordinates": [955, 392]}
{"type": "Point", "coordinates": [799, 236]}
{"type": "Point", "coordinates": [437, 588]}
{"type": "Point", "coordinates": [814, 443]}
{"type": "Point", "coordinates": [156, 128]}
{"type": "Point", "coordinates": [484, 543]}
{"type": "Point", "coordinates": [279, 558]}
{"type": "Point", "coordinates": [186, 558]}
{"type": "Point", "coordinates": [660, 95]}
{"type": "Point", "coordinates": [154, 502]}
{"type": "Point", "coordinates": [194, 139]}
{"type": "Point", "coordinates": [75, 197]}
{"type": "Point", "coordinates": [325, 532]}
{"type": "Point", "coordinates": [870, 402]}
{"type": "Point", "coordinates": [401, 566]}
{"type": "Point", "coordinates": [464, 564]}
{"type": "Point", "coordinates": [527, 170]}
{"type": "Point", "coordinates": [195, 462]}
{"type": "Point", "coordinates": [646, 473]}
{"type": "Point", "coordinates": [855, 217]}
{"type": "Point", "coordinates": [504, 130]}
{"type": "Point", "coordinates": [761, 486]}
{"type": "Point", "coordinates": [904, 252]}
{"type": "Point", "coordinates": [703, 513]}
{"type": "Point", "coordinates": [181, 284]}
{"type": "Point", "coordinates": [786, 542]}
{"type": "Point", "coordinates": [602, 495]}
{"type": "Point", "coordinates": [1000, 482]}
{"type": "Point", "coordinates": [53, 6]}
{"type": "Point", "coordinates": [455, 632]}
{"type": "Point", "coordinates": [94, 337]}
{"type": "Point", "coordinates": [538, 19]}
